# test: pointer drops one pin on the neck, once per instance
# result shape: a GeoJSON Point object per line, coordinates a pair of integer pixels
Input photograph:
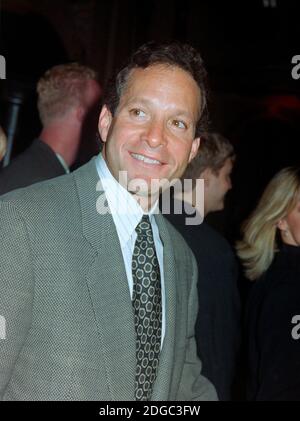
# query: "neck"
{"type": "Point", "coordinates": [206, 210]}
{"type": "Point", "coordinates": [63, 139]}
{"type": "Point", "coordinates": [146, 203]}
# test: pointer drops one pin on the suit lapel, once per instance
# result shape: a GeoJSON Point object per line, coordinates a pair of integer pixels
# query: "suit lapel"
{"type": "Point", "coordinates": [110, 296]}
{"type": "Point", "coordinates": [163, 381]}
{"type": "Point", "coordinates": [108, 286]}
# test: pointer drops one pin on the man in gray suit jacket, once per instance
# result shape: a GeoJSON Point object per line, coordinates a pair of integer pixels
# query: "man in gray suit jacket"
{"type": "Point", "coordinates": [67, 286]}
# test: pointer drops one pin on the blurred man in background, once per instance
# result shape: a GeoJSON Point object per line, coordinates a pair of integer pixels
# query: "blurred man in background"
{"type": "Point", "coordinates": [217, 326]}
{"type": "Point", "coordinates": [66, 94]}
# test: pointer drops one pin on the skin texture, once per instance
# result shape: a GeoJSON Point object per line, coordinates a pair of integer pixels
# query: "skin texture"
{"type": "Point", "coordinates": [216, 187]}
{"type": "Point", "coordinates": [156, 117]}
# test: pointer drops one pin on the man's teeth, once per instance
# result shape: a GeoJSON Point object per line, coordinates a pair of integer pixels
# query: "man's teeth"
{"type": "Point", "coordinates": [145, 159]}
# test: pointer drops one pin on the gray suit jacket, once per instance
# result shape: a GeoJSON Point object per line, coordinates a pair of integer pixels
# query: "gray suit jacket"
{"type": "Point", "coordinates": [65, 298]}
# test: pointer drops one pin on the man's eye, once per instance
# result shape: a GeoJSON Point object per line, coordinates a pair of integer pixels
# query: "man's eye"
{"type": "Point", "coordinates": [180, 124]}
{"type": "Point", "coordinates": [137, 112]}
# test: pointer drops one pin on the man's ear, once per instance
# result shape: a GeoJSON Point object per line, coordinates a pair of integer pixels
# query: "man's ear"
{"type": "Point", "coordinates": [105, 120]}
{"type": "Point", "coordinates": [80, 114]}
{"type": "Point", "coordinates": [194, 149]}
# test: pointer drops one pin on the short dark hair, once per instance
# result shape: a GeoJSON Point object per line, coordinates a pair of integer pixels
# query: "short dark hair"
{"type": "Point", "coordinates": [177, 54]}
{"type": "Point", "coordinates": [214, 150]}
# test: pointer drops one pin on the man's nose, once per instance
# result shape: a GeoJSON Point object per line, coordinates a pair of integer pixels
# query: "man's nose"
{"type": "Point", "coordinates": [155, 134]}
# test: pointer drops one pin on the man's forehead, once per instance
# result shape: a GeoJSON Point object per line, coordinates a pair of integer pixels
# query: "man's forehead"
{"type": "Point", "coordinates": [137, 75]}
{"type": "Point", "coordinates": [157, 68]}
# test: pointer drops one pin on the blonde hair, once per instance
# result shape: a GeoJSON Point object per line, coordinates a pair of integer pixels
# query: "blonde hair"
{"type": "Point", "coordinates": [3, 143]}
{"type": "Point", "coordinates": [61, 88]}
{"type": "Point", "coordinates": [259, 244]}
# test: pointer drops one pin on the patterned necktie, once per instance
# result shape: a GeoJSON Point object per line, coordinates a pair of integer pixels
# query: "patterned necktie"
{"type": "Point", "coordinates": [146, 301]}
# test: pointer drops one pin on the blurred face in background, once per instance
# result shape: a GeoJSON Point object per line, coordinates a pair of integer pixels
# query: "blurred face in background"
{"type": "Point", "coordinates": [216, 187]}
{"type": "Point", "coordinates": [290, 226]}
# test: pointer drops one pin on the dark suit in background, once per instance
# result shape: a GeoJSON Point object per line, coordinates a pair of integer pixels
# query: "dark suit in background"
{"type": "Point", "coordinates": [273, 352]}
{"type": "Point", "coordinates": [218, 323]}
{"type": "Point", "coordinates": [37, 163]}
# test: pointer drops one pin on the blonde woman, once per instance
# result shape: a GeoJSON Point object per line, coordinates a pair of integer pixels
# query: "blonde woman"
{"type": "Point", "coordinates": [2, 144]}
{"type": "Point", "coordinates": [270, 254]}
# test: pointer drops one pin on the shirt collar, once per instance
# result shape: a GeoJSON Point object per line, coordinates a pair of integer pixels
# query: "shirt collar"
{"type": "Point", "coordinates": [63, 162]}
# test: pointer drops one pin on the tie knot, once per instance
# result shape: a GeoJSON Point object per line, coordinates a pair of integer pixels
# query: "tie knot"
{"type": "Point", "coordinates": [144, 227]}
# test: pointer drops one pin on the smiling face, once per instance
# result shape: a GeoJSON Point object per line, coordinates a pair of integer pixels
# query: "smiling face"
{"type": "Point", "coordinates": [152, 134]}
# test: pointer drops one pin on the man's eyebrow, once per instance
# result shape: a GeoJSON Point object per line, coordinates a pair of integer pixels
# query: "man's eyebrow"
{"type": "Point", "coordinates": [146, 101]}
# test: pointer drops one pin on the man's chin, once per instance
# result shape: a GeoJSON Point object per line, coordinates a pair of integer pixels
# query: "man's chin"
{"type": "Point", "coordinates": [145, 194]}
{"type": "Point", "coordinates": [146, 187]}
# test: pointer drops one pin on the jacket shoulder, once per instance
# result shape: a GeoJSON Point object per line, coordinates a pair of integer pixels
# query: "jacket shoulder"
{"type": "Point", "coordinates": [42, 196]}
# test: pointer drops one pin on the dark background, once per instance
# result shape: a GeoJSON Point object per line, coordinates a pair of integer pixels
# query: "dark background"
{"type": "Point", "coordinates": [247, 47]}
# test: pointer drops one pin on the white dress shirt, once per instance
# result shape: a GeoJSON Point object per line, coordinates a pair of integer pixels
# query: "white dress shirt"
{"type": "Point", "coordinates": [127, 213]}
{"type": "Point", "coordinates": [63, 163]}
